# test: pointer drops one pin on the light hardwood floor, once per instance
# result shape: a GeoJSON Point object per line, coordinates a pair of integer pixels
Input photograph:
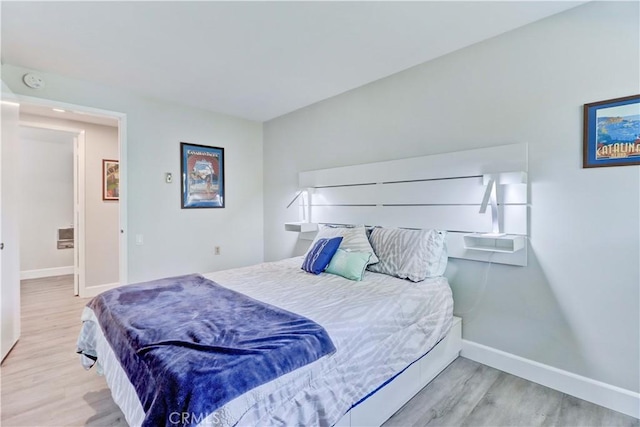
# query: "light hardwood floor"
{"type": "Point", "coordinates": [43, 383]}
{"type": "Point", "coordinates": [468, 393]}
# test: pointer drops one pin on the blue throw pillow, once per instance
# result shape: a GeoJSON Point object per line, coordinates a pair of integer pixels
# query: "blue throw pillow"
{"type": "Point", "coordinates": [320, 255]}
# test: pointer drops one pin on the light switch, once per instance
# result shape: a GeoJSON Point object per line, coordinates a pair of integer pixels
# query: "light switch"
{"type": "Point", "coordinates": [139, 240]}
{"type": "Point", "coordinates": [168, 177]}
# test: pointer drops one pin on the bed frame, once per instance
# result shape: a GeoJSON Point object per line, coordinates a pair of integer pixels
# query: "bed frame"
{"type": "Point", "coordinates": [385, 402]}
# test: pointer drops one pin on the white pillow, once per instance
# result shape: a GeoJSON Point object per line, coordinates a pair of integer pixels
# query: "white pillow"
{"type": "Point", "coordinates": [409, 254]}
{"type": "Point", "coordinates": [353, 239]}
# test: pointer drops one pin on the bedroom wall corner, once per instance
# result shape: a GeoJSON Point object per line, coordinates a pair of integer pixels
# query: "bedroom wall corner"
{"type": "Point", "coordinates": [576, 306]}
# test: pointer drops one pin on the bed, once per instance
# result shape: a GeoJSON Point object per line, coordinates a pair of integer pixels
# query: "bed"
{"type": "Point", "coordinates": [385, 330]}
{"type": "Point", "coordinates": [391, 336]}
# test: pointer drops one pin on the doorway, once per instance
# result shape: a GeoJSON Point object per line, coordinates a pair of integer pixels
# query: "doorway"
{"type": "Point", "coordinates": [51, 209]}
{"type": "Point", "coordinates": [9, 207]}
{"type": "Point", "coordinates": [96, 196]}
{"type": "Point", "coordinates": [9, 230]}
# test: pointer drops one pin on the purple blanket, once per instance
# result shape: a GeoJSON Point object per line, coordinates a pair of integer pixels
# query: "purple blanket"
{"type": "Point", "coordinates": [189, 345]}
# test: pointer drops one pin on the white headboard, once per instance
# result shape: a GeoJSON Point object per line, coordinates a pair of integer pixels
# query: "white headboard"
{"type": "Point", "coordinates": [442, 191]}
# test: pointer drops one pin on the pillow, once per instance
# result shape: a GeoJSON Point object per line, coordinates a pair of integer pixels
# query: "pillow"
{"type": "Point", "coordinates": [350, 265]}
{"type": "Point", "coordinates": [320, 254]}
{"type": "Point", "coordinates": [409, 254]}
{"type": "Point", "coordinates": [353, 239]}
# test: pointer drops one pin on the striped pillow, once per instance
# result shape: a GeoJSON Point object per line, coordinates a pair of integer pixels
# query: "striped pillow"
{"type": "Point", "coordinates": [409, 254]}
{"type": "Point", "coordinates": [353, 239]}
{"type": "Point", "coordinates": [320, 255]}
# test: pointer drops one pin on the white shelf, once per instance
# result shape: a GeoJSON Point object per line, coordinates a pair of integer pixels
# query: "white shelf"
{"type": "Point", "coordinates": [508, 243]}
{"type": "Point", "coordinates": [301, 227]}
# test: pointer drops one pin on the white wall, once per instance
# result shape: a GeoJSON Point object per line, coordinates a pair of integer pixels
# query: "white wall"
{"type": "Point", "coordinates": [46, 190]}
{"type": "Point", "coordinates": [576, 306]}
{"type": "Point", "coordinates": [176, 241]}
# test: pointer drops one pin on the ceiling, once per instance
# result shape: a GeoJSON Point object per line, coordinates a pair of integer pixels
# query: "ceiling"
{"type": "Point", "coordinates": [255, 60]}
{"type": "Point", "coordinates": [78, 116]}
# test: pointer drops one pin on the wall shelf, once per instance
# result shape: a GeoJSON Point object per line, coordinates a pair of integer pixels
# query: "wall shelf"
{"type": "Point", "coordinates": [508, 243]}
{"type": "Point", "coordinates": [301, 227]}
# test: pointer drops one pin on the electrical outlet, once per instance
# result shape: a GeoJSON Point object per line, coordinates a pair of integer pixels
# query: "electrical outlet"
{"type": "Point", "coordinates": [216, 250]}
{"type": "Point", "coordinates": [168, 177]}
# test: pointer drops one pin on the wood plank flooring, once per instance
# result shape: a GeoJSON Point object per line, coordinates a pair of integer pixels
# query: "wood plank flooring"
{"type": "Point", "coordinates": [468, 393]}
{"type": "Point", "coordinates": [43, 383]}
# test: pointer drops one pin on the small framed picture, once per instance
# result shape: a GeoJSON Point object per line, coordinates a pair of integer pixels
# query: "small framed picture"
{"type": "Point", "coordinates": [202, 175]}
{"type": "Point", "coordinates": [110, 180]}
{"type": "Point", "coordinates": [612, 132]}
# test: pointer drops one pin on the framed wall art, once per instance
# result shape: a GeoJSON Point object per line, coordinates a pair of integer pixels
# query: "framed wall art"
{"type": "Point", "coordinates": [110, 180]}
{"type": "Point", "coordinates": [612, 132]}
{"type": "Point", "coordinates": [202, 175]}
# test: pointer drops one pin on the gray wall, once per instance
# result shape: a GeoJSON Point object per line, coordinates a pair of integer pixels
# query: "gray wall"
{"type": "Point", "coordinates": [176, 241]}
{"type": "Point", "coordinates": [576, 306]}
{"type": "Point", "coordinates": [46, 190]}
{"type": "Point", "coordinates": [102, 222]}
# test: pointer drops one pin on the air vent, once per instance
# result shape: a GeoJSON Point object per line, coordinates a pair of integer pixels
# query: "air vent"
{"type": "Point", "coordinates": [65, 238]}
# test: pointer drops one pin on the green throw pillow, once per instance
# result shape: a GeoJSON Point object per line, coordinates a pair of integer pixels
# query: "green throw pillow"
{"type": "Point", "coordinates": [350, 265]}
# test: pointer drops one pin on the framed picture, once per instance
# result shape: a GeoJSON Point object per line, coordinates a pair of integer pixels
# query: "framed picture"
{"type": "Point", "coordinates": [110, 180]}
{"type": "Point", "coordinates": [612, 132]}
{"type": "Point", "coordinates": [202, 174]}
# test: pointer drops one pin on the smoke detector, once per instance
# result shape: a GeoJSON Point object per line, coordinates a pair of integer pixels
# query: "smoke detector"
{"type": "Point", "coordinates": [34, 81]}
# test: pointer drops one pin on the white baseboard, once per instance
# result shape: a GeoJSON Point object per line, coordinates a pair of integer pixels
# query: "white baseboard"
{"type": "Point", "coordinates": [607, 395]}
{"type": "Point", "coordinates": [92, 291]}
{"type": "Point", "coordinates": [46, 272]}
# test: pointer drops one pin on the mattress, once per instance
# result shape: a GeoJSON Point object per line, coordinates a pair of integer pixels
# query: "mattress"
{"type": "Point", "coordinates": [379, 326]}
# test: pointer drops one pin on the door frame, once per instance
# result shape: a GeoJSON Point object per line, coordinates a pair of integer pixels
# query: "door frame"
{"type": "Point", "coordinates": [122, 156]}
{"type": "Point", "coordinates": [79, 273]}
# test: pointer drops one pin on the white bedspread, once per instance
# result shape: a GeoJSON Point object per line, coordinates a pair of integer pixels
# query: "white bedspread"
{"type": "Point", "coordinates": [379, 326]}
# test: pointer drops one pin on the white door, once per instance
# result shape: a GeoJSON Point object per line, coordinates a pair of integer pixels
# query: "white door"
{"type": "Point", "coordinates": [9, 231]}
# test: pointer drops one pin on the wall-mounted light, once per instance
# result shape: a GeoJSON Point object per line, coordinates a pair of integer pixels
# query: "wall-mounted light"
{"type": "Point", "coordinates": [298, 194]}
{"type": "Point", "coordinates": [491, 197]}
{"type": "Point", "coordinates": [306, 204]}
{"type": "Point", "coordinates": [497, 240]}
{"type": "Point", "coordinates": [305, 225]}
